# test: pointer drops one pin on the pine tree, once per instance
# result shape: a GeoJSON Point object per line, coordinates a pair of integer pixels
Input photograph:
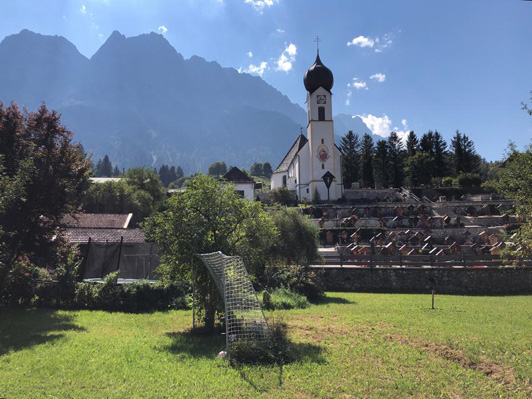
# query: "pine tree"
{"type": "Point", "coordinates": [412, 144]}
{"type": "Point", "coordinates": [256, 169]}
{"type": "Point", "coordinates": [396, 155]}
{"type": "Point", "coordinates": [350, 146]}
{"type": "Point", "coordinates": [106, 168]}
{"type": "Point", "coordinates": [179, 172]}
{"type": "Point", "coordinates": [380, 164]}
{"type": "Point", "coordinates": [426, 144]}
{"type": "Point", "coordinates": [116, 172]}
{"type": "Point", "coordinates": [267, 169]}
{"type": "Point", "coordinates": [465, 157]}
{"type": "Point", "coordinates": [440, 154]}
{"type": "Point", "coordinates": [366, 161]}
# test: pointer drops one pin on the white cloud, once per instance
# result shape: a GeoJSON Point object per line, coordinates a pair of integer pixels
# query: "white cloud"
{"type": "Point", "coordinates": [361, 41]}
{"type": "Point", "coordinates": [288, 56]}
{"type": "Point", "coordinates": [381, 126]}
{"type": "Point", "coordinates": [83, 9]}
{"type": "Point", "coordinates": [100, 36]}
{"type": "Point", "coordinates": [279, 30]}
{"type": "Point", "coordinates": [378, 44]}
{"type": "Point", "coordinates": [259, 5]}
{"type": "Point", "coordinates": [358, 84]}
{"type": "Point", "coordinates": [249, 54]}
{"type": "Point", "coordinates": [378, 77]}
{"type": "Point", "coordinates": [162, 29]}
{"type": "Point", "coordinates": [348, 95]}
{"type": "Point", "coordinates": [254, 69]}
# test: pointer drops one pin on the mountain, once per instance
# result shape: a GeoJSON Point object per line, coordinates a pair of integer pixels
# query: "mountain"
{"type": "Point", "coordinates": [343, 123]}
{"type": "Point", "coordinates": [140, 102]}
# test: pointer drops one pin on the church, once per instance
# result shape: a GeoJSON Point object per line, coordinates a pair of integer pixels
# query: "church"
{"type": "Point", "coordinates": [313, 163]}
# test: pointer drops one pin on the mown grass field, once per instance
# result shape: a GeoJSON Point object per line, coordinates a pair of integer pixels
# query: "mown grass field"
{"type": "Point", "coordinates": [351, 345]}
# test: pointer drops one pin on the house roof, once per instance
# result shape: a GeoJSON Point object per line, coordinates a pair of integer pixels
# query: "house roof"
{"type": "Point", "coordinates": [292, 152]}
{"type": "Point", "coordinates": [82, 235]}
{"type": "Point", "coordinates": [235, 175]}
{"type": "Point", "coordinates": [97, 220]}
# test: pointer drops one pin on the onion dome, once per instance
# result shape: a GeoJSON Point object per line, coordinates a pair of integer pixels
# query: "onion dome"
{"type": "Point", "coordinates": [318, 75]}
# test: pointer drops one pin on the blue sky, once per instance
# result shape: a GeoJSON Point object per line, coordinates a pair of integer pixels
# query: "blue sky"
{"type": "Point", "coordinates": [401, 65]}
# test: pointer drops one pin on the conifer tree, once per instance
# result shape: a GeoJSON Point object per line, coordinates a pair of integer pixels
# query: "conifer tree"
{"type": "Point", "coordinates": [412, 144]}
{"type": "Point", "coordinates": [366, 160]}
{"type": "Point", "coordinates": [350, 146]}
{"type": "Point", "coordinates": [380, 164]}
{"type": "Point", "coordinates": [396, 156]}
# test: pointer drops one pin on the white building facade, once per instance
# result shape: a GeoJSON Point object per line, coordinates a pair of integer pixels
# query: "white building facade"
{"type": "Point", "coordinates": [316, 156]}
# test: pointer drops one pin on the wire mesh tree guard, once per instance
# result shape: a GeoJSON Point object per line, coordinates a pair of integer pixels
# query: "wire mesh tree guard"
{"type": "Point", "coordinates": [244, 318]}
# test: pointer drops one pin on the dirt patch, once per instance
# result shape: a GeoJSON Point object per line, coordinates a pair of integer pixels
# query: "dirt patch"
{"type": "Point", "coordinates": [501, 374]}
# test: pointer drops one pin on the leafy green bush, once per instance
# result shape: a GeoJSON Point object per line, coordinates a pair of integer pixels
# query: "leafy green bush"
{"type": "Point", "coordinates": [447, 181]}
{"type": "Point", "coordinates": [469, 180]}
{"type": "Point", "coordinates": [283, 298]}
{"type": "Point", "coordinates": [300, 279]}
{"type": "Point", "coordinates": [16, 286]}
{"type": "Point", "coordinates": [275, 351]}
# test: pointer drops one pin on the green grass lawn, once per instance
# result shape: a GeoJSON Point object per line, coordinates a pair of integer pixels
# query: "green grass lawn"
{"type": "Point", "coordinates": [351, 345]}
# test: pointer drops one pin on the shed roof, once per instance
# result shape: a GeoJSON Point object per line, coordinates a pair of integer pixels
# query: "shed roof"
{"type": "Point", "coordinates": [82, 235]}
{"type": "Point", "coordinates": [97, 220]}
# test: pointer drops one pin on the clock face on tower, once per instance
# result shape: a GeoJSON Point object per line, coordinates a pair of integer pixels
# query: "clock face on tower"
{"type": "Point", "coordinates": [321, 99]}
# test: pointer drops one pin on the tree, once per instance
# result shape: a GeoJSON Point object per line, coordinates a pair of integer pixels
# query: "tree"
{"type": "Point", "coordinates": [349, 145]}
{"type": "Point", "coordinates": [116, 172]}
{"type": "Point", "coordinates": [426, 144]}
{"type": "Point", "coordinates": [366, 161]}
{"type": "Point", "coordinates": [105, 168]}
{"type": "Point", "coordinates": [412, 144]}
{"type": "Point", "coordinates": [515, 182]}
{"type": "Point", "coordinates": [465, 157]}
{"type": "Point", "coordinates": [146, 180]}
{"type": "Point", "coordinates": [256, 169]}
{"type": "Point", "coordinates": [440, 154]}
{"type": "Point", "coordinates": [217, 169]}
{"type": "Point", "coordinates": [281, 195]}
{"type": "Point", "coordinates": [210, 216]}
{"type": "Point", "coordinates": [396, 160]}
{"type": "Point", "coordinates": [381, 167]}
{"type": "Point", "coordinates": [267, 169]}
{"type": "Point", "coordinates": [298, 240]}
{"type": "Point", "coordinates": [419, 169]}
{"type": "Point", "coordinates": [50, 173]}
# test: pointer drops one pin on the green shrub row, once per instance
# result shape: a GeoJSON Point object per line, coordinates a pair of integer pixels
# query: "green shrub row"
{"type": "Point", "coordinates": [283, 298]}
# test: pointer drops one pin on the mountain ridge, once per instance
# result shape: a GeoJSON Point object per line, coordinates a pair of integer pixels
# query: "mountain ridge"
{"type": "Point", "coordinates": [138, 100]}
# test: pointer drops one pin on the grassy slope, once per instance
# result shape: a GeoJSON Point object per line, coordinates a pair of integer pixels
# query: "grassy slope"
{"type": "Point", "coordinates": [352, 345]}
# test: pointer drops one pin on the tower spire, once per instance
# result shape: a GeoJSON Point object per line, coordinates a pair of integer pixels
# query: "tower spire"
{"type": "Point", "coordinates": [317, 40]}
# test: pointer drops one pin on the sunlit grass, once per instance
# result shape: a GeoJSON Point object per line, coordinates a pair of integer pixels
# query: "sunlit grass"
{"type": "Point", "coordinates": [350, 345]}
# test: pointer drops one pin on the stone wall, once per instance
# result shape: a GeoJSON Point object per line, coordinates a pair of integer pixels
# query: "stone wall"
{"type": "Point", "coordinates": [472, 281]}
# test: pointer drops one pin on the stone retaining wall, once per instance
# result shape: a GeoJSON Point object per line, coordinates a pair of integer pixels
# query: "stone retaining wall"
{"type": "Point", "coordinates": [472, 281]}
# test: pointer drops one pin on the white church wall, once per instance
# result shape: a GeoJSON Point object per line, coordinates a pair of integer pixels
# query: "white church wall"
{"type": "Point", "coordinates": [277, 179]}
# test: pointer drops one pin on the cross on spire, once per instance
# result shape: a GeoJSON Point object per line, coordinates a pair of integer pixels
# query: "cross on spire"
{"type": "Point", "coordinates": [317, 40]}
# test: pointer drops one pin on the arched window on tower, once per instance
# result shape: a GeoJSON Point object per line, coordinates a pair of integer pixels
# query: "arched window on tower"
{"type": "Point", "coordinates": [321, 113]}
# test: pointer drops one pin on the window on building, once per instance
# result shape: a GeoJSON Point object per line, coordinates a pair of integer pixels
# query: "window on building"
{"type": "Point", "coordinates": [284, 180]}
{"type": "Point", "coordinates": [323, 166]}
{"type": "Point", "coordinates": [321, 113]}
{"type": "Point", "coordinates": [322, 141]}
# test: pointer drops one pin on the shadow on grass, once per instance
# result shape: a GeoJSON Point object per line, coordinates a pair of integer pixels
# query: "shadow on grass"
{"type": "Point", "coordinates": [196, 344]}
{"type": "Point", "coordinates": [22, 328]}
{"type": "Point", "coordinates": [328, 300]}
{"type": "Point", "coordinates": [261, 377]}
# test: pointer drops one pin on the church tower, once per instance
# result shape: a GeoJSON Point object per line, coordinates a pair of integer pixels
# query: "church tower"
{"type": "Point", "coordinates": [324, 156]}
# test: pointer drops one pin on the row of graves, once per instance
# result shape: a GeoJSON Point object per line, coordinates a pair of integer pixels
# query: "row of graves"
{"type": "Point", "coordinates": [463, 232]}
